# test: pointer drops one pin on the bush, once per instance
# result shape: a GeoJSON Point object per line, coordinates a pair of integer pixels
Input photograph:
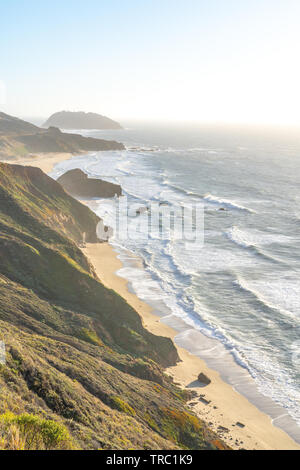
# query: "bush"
{"type": "Point", "coordinates": [182, 428]}
{"type": "Point", "coordinates": [31, 432]}
{"type": "Point", "coordinates": [90, 336]}
{"type": "Point", "coordinates": [121, 405]}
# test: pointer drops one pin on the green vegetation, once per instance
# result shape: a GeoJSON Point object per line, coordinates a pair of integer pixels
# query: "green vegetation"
{"type": "Point", "coordinates": [121, 405]}
{"type": "Point", "coordinates": [30, 432]}
{"type": "Point", "coordinates": [81, 371]}
{"type": "Point", "coordinates": [90, 337]}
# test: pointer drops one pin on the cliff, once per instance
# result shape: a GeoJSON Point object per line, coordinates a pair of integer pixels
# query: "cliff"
{"type": "Point", "coordinates": [76, 183]}
{"type": "Point", "coordinates": [18, 138]}
{"type": "Point", "coordinates": [81, 371]}
{"type": "Point", "coordinates": [81, 120]}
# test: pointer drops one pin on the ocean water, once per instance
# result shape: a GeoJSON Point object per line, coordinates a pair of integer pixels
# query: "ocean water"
{"type": "Point", "coordinates": [235, 300]}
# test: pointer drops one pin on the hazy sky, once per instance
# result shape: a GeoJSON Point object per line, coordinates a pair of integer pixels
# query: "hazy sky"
{"type": "Point", "coordinates": [204, 60]}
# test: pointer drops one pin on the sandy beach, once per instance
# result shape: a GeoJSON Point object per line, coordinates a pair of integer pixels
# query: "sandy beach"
{"type": "Point", "coordinates": [44, 161]}
{"type": "Point", "coordinates": [222, 406]}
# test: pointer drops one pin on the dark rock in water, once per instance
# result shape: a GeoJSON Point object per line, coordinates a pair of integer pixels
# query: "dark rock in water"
{"type": "Point", "coordinates": [77, 183]}
{"type": "Point", "coordinates": [164, 203]}
{"type": "Point", "coordinates": [142, 210]}
{"type": "Point", "coordinates": [202, 378]}
{"type": "Point", "coordinates": [135, 211]}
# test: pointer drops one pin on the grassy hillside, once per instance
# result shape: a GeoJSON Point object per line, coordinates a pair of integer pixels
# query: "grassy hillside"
{"type": "Point", "coordinates": [81, 370]}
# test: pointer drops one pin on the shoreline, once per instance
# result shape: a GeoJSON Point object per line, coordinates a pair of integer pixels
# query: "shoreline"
{"type": "Point", "coordinates": [216, 405]}
{"type": "Point", "coordinates": [259, 432]}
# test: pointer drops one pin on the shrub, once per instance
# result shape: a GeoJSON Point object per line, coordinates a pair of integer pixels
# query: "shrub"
{"type": "Point", "coordinates": [182, 428]}
{"type": "Point", "coordinates": [90, 336]}
{"type": "Point", "coordinates": [121, 405]}
{"type": "Point", "coordinates": [31, 432]}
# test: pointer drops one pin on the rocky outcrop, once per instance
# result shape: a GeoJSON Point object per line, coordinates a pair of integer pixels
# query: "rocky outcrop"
{"type": "Point", "coordinates": [77, 183]}
{"type": "Point", "coordinates": [81, 120]}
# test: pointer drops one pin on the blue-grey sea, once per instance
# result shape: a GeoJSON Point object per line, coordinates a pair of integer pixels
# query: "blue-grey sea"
{"type": "Point", "coordinates": [235, 300]}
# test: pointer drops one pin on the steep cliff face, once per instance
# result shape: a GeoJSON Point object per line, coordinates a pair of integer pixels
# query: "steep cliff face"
{"type": "Point", "coordinates": [76, 353]}
{"type": "Point", "coordinates": [77, 183]}
{"type": "Point", "coordinates": [81, 120]}
{"type": "Point", "coordinates": [38, 203]}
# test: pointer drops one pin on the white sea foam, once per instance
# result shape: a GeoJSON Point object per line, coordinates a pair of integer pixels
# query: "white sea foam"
{"type": "Point", "coordinates": [281, 294]}
{"type": "Point", "coordinates": [255, 238]}
{"type": "Point", "coordinates": [226, 203]}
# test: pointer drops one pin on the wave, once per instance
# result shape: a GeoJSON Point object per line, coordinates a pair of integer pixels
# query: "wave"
{"type": "Point", "coordinates": [240, 238]}
{"type": "Point", "coordinates": [190, 150]}
{"type": "Point", "coordinates": [226, 203]}
{"type": "Point", "coordinates": [242, 284]}
{"type": "Point", "coordinates": [175, 297]}
{"type": "Point", "coordinates": [215, 200]}
{"type": "Point", "coordinates": [181, 190]}
{"type": "Point", "coordinates": [251, 242]}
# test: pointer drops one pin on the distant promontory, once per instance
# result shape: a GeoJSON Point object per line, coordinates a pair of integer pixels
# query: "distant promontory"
{"type": "Point", "coordinates": [81, 120]}
{"type": "Point", "coordinates": [19, 138]}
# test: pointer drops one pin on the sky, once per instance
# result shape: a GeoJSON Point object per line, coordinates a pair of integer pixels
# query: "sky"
{"type": "Point", "coordinates": [232, 61]}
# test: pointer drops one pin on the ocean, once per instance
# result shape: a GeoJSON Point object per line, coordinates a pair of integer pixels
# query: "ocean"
{"type": "Point", "coordinates": [234, 299]}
